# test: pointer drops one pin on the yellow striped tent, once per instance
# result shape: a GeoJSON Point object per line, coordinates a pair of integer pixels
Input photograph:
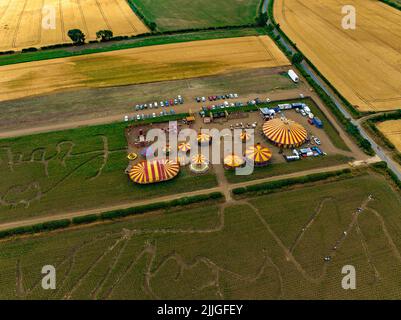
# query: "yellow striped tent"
{"type": "Point", "coordinates": [204, 138]}
{"type": "Point", "coordinates": [233, 161]}
{"type": "Point", "coordinates": [199, 159]}
{"type": "Point", "coordinates": [184, 146]}
{"type": "Point", "coordinates": [259, 154]}
{"type": "Point", "coordinates": [147, 172]}
{"type": "Point", "coordinates": [285, 133]}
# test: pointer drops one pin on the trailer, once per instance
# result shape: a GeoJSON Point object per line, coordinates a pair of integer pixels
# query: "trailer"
{"type": "Point", "coordinates": [294, 77]}
{"type": "Point", "coordinates": [317, 122]}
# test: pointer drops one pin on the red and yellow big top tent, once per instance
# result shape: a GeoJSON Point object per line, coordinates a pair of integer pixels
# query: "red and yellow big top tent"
{"type": "Point", "coordinates": [147, 172]}
{"type": "Point", "coordinates": [285, 133]}
{"type": "Point", "coordinates": [259, 154]}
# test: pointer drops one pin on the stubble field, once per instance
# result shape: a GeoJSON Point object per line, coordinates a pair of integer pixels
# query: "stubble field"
{"type": "Point", "coordinates": [392, 130]}
{"type": "Point", "coordinates": [140, 65]}
{"type": "Point", "coordinates": [21, 21]}
{"type": "Point", "coordinates": [363, 64]}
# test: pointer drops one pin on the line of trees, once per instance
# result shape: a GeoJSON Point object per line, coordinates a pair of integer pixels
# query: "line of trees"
{"type": "Point", "coordinates": [78, 37]}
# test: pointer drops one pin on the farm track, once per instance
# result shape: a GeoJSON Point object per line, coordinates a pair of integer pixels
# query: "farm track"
{"type": "Point", "coordinates": [222, 188]}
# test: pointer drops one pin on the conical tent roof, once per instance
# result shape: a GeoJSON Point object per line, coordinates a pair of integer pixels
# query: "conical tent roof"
{"type": "Point", "coordinates": [258, 153]}
{"type": "Point", "coordinates": [147, 172]}
{"type": "Point", "coordinates": [285, 133]}
{"type": "Point", "coordinates": [233, 161]}
{"type": "Point", "coordinates": [184, 146]}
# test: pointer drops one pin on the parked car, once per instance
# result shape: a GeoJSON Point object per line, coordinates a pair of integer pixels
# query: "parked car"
{"type": "Point", "coordinates": [198, 99]}
{"type": "Point", "coordinates": [154, 115]}
{"type": "Point", "coordinates": [318, 142]}
{"type": "Point", "coordinates": [126, 118]}
{"type": "Point", "coordinates": [138, 117]}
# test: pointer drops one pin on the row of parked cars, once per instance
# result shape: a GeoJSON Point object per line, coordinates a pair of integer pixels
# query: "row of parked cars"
{"type": "Point", "coordinates": [166, 103]}
{"type": "Point", "coordinates": [219, 97]}
{"type": "Point", "coordinates": [144, 116]}
{"type": "Point", "coordinates": [205, 109]}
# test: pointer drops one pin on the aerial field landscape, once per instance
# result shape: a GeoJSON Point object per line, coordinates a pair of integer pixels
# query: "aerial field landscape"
{"type": "Point", "coordinates": [21, 21]}
{"type": "Point", "coordinates": [272, 247]}
{"type": "Point", "coordinates": [200, 150]}
{"type": "Point", "coordinates": [372, 51]}
{"type": "Point", "coordinates": [140, 65]}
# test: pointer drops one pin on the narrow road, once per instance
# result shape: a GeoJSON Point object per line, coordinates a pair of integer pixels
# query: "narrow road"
{"type": "Point", "coordinates": [383, 156]}
{"type": "Point", "coordinates": [223, 187]}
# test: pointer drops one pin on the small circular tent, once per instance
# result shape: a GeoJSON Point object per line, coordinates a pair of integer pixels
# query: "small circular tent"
{"type": "Point", "coordinates": [204, 138]}
{"type": "Point", "coordinates": [233, 161]}
{"type": "Point", "coordinates": [245, 136]}
{"type": "Point", "coordinates": [259, 154]}
{"type": "Point", "coordinates": [147, 172]}
{"type": "Point", "coordinates": [184, 146]}
{"type": "Point", "coordinates": [199, 164]}
{"type": "Point", "coordinates": [285, 133]}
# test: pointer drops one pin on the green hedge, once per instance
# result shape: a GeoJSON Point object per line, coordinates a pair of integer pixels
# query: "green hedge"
{"type": "Point", "coordinates": [109, 215]}
{"type": "Point", "coordinates": [279, 184]}
{"type": "Point", "coordinates": [392, 4]}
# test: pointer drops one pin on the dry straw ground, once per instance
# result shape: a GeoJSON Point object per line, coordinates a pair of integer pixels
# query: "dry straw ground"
{"type": "Point", "coordinates": [140, 65]}
{"type": "Point", "coordinates": [363, 64]}
{"type": "Point", "coordinates": [21, 21]}
{"type": "Point", "coordinates": [392, 130]}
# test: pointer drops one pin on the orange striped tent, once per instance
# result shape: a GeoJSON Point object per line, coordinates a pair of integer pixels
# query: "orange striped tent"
{"type": "Point", "coordinates": [147, 172]}
{"type": "Point", "coordinates": [184, 146]}
{"type": "Point", "coordinates": [233, 161]}
{"type": "Point", "coordinates": [204, 138]}
{"type": "Point", "coordinates": [285, 133]}
{"type": "Point", "coordinates": [259, 154]}
{"type": "Point", "coordinates": [198, 159]}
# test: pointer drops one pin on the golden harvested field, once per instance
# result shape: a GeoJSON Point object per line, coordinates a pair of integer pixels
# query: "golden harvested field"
{"type": "Point", "coordinates": [21, 21]}
{"type": "Point", "coordinates": [140, 65]}
{"type": "Point", "coordinates": [392, 130]}
{"type": "Point", "coordinates": [363, 64]}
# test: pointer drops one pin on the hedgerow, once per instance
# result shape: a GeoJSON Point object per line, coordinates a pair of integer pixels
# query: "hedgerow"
{"type": "Point", "coordinates": [110, 215]}
{"type": "Point", "coordinates": [279, 184]}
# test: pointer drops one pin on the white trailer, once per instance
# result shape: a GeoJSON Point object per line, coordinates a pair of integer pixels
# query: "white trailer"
{"type": "Point", "coordinates": [294, 77]}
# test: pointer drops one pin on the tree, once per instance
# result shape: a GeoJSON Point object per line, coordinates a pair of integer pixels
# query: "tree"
{"type": "Point", "coordinates": [297, 58]}
{"type": "Point", "coordinates": [261, 19]}
{"type": "Point", "coordinates": [77, 36]}
{"type": "Point", "coordinates": [104, 35]}
{"type": "Point", "coordinates": [153, 26]}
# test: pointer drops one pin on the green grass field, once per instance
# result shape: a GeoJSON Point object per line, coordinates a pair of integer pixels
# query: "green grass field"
{"type": "Point", "coordinates": [184, 14]}
{"type": "Point", "coordinates": [249, 250]}
{"type": "Point", "coordinates": [75, 170]}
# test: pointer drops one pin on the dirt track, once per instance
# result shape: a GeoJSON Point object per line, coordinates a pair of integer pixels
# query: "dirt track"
{"type": "Point", "coordinates": [223, 187]}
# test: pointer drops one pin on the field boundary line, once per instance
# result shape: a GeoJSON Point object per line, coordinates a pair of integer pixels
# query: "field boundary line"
{"type": "Point", "coordinates": [127, 205]}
